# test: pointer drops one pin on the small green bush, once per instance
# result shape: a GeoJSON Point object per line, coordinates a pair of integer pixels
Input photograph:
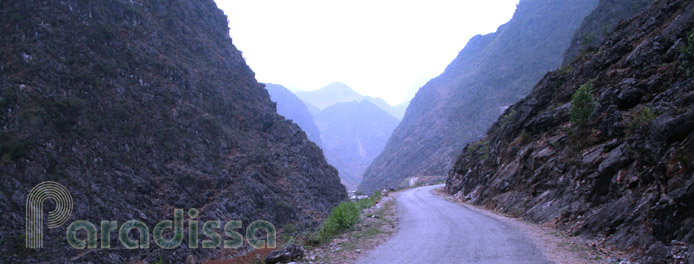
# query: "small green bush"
{"type": "Point", "coordinates": [342, 217]}
{"type": "Point", "coordinates": [640, 118]}
{"type": "Point", "coordinates": [508, 117]}
{"type": "Point", "coordinates": [479, 149]}
{"type": "Point", "coordinates": [14, 149]}
{"type": "Point", "coordinates": [687, 55]}
{"type": "Point", "coordinates": [582, 104]}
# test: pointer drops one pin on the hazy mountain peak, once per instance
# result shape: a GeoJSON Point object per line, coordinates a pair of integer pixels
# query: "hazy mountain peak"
{"type": "Point", "coordinates": [329, 95]}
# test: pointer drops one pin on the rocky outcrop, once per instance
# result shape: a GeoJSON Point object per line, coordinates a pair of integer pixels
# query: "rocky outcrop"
{"type": "Point", "coordinates": [285, 255]}
{"type": "Point", "coordinates": [620, 173]}
{"type": "Point", "coordinates": [140, 107]}
{"type": "Point", "coordinates": [490, 73]}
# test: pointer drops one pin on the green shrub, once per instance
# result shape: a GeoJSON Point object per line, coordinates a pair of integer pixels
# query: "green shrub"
{"type": "Point", "coordinates": [582, 104]}
{"type": "Point", "coordinates": [640, 118]}
{"type": "Point", "coordinates": [687, 55]}
{"type": "Point", "coordinates": [14, 149]}
{"type": "Point", "coordinates": [342, 217]}
{"type": "Point", "coordinates": [508, 117]}
{"type": "Point", "coordinates": [479, 149]}
{"type": "Point", "coordinates": [8, 96]}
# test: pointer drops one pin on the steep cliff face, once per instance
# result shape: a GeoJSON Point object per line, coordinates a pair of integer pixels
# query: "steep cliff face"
{"type": "Point", "coordinates": [490, 73]}
{"type": "Point", "coordinates": [602, 148]}
{"type": "Point", "coordinates": [600, 23]}
{"type": "Point", "coordinates": [292, 108]}
{"type": "Point", "coordinates": [354, 134]}
{"type": "Point", "coordinates": [140, 107]}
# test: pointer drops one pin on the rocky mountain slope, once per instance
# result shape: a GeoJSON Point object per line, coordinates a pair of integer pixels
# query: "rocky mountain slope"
{"type": "Point", "coordinates": [601, 22]}
{"type": "Point", "coordinates": [292, 108]}
{"type": "Point", "coordinates": [604, 147]}
{"type": "Point", "coordinates": [140, 107]}
{"type": "Point", "coordinates": [490, 73]}
{"type": "Point", "coordinates": [353, 134]}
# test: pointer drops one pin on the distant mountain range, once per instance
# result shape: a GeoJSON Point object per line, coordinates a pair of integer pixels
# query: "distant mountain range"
{"type": "Point", "coordinates": [352, 129]}
{"type": "Point", "coordinates": [334, 93]}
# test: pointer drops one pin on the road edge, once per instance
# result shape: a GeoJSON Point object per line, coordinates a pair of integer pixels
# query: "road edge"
{"type": "Point", "coordinates": [554, 244]}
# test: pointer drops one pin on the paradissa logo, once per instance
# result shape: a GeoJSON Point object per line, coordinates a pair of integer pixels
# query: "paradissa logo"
{"type": "Point", "coordinates": [210, 229]}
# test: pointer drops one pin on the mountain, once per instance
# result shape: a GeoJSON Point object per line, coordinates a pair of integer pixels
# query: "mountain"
{"type": "Point", "coordinates": [292, 108]}
{"type": "Point", "coordinates": [340, 93]}
{"type": "Point", "coordinates": [139, 108]}
{"type": "Point", "coordinates": [490, 73]}
{"type": "Point", "coordinates": [384, 106]}
{"type": "Point", "coordinates": [353, 134]}
{"type": "Point", "coordinates": [329, 95]}
{"type": "Point", "coordinates": [602, 149]}
{"type": "Point", "coordinates": [399, 110]}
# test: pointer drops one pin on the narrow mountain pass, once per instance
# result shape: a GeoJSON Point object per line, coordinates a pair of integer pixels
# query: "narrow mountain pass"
{"type": "Point", "coordinates": [434, 230]}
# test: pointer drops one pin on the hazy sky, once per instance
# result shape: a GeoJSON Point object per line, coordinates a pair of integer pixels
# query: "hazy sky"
{"type": "Point", "coordinates": [380, 48]}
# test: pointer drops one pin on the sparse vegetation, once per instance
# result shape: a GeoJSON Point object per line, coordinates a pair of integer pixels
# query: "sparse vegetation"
{"type": "Point", "coordinates": [14, 149]}
{"type": "Point", "coordinates": [8, 96]}
{"type": "Point", "coordinates": [641, 118]}
{"type": "Point", "coordinates": [479, 149]}
{"type": "Point", "coordinates": [368, 202]}
{"type": "Point", "coordinates": [582, 104]}
{"type": "Point", "coordinates": [508, 117]}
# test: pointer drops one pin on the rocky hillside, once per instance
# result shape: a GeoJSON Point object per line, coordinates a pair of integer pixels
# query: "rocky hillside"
{"type": "Point", "coordinates": [604, 147]}
{"type": "Point", "coordinates": [490, 73]}
{"type": "Point", "coordinates": [353, 135]}
{"type": "Point", "coordinates": [140, 107]}
{"type": "Point", "coordinates": [292, 108]}
{"type": "Point", "coordinates": [600, 23]}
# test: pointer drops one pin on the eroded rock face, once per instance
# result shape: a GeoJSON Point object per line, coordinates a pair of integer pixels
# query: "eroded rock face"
{"type": "Point", "coordinates": [625, 178]}
{"type": "Point", "coordinates": [140, 107]}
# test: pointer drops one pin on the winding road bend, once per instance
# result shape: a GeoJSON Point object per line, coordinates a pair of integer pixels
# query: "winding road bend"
{"type": "Point", "coordinates": [434, 230]}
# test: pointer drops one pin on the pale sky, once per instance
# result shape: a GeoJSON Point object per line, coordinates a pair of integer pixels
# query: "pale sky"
{"type": "Point", "coordinates": [380, 48]}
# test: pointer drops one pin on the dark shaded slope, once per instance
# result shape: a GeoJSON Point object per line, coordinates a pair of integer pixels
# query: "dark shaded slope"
{"type": "Point", "coordinates": [625, 177]}
{"type": "Point", "coordinates": [490, 73]}
{"type": "Point", "coordinates": [294, 109]}
{"type": "Point", "coordinates": [140, 107]}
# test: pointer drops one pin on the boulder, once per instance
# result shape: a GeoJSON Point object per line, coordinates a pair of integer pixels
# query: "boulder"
{"type": "Point", "coordinates": [285, 255]}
